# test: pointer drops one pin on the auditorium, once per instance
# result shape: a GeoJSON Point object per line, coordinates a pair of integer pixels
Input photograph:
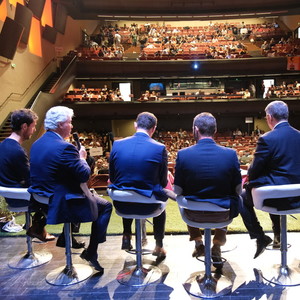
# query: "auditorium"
{"type": "Point", "coordinates": [109, 61]}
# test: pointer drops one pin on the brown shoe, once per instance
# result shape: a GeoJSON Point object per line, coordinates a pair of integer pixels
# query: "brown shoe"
{"type": "Point", "coordinates": [44, 236]}
{"type": "Point", "coordinates": [159, 252]}
{"type": "Point", "coordinates": [198, 251]}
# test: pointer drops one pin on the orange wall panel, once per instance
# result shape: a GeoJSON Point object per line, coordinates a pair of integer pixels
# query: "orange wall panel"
{"type": "Point", "coordinates": [47, 14]}
{"type": "Point", "coordinates": [3, 11]}
{"type": "Point", "coordinates": [35, 40]}
{"type": "Point", "coordinates": [14, 2]}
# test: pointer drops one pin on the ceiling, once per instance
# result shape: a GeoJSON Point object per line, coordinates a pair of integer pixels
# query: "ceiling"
{"type": "Point", "coordinates": [178, 9]}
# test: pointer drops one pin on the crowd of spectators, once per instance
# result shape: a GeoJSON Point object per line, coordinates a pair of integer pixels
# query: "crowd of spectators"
{"type": "Point", "coordinates": [84, 94]}
{"type": "Point", "coordinates": [281, 47]}
{"type": "Point", "coordinates": [283, 90]}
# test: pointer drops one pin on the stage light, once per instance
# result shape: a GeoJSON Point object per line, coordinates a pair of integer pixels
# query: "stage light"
{"type": "Point", "coordinates": [195, 66]}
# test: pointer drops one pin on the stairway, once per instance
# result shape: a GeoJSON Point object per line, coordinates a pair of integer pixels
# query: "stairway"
{"type": "Point", "coordinates": [5, 130]}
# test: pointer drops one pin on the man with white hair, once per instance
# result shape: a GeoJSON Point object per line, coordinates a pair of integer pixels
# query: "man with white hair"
{"type": "Point", "coordinates": [58, 171]}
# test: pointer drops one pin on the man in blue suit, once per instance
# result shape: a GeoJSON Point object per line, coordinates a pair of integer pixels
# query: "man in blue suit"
{"type": "Point", "coordinates": [140, 164]}
{"type": "Point", "coordinates": [210, 173]}
{"type": "Point", "coordinates": [276, 161]}
{"type": "Point", "coordinates": [58, 171]}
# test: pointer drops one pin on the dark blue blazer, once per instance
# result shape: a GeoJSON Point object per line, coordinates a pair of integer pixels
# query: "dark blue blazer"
{"type": "Point", "coordinates": [277, 161]}
{"type": "Point", "coordinates": [139, 163]}
{"type": "Point", "coordinates": [207, 171]}
{"type": "Point", "coordinates": [56, 171]}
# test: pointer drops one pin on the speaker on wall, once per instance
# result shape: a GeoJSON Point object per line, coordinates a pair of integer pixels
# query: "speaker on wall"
{"type": "Point", "coordinates": [9, 37]}
{"type": "Point", "coordinates": [60, 18]}
{"type": "Point", "coordinates": [37, 7]}
{"type": "Point", "coordinates": [49, 34]}
{"type": "Point", "coordinates": [23, 16]}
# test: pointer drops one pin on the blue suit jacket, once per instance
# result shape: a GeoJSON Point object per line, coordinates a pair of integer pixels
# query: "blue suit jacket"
{"type": "Point", "coordinates": [277, 161]}
{"type": "Point", "coordinates": [139, 163]}
{"type": "Point", "coordinates": [56, 171]}
{"type": "Point", "coordinates": [207, 171]}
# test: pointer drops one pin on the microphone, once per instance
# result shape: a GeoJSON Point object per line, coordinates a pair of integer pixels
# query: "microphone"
{"type": "Point", "coordinates": [76, 139]}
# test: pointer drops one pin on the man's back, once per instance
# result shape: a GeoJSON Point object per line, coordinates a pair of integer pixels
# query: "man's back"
{"type": "Point", "coordinates": [14, 164]}
{"type": "Point", "coordinates": [207, 171]}
{"type": "Point", "coordinates": [139, 163]}
{"type": "Point", "coordinates": [277, 159]}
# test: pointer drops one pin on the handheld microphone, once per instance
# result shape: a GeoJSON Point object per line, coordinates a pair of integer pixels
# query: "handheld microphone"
{"type": "Point", "coordinates": [76, 139]}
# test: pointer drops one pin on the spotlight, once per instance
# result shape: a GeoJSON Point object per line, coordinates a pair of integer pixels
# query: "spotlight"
{"type": "Point", "coordinates": [195, 66]}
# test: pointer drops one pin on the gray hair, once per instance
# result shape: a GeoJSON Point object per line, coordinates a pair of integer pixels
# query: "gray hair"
{"type": "Point", "coordinates": [206, 123]}
{"type": "Point", "coordinates": [56, 115]}
{"type": "Point", "coordinates": [278, 110]}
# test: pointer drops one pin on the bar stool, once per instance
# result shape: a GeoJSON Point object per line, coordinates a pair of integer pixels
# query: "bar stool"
{"type": "Point", "coordinates": [71, 273]}
{"type": "Point", "coordinates": [140, 274]}
{"type": "Point", "coordinates": [282, 274]}
{"type": "Point", "coordinates": [204, 284]}
{"type": "Point", "coordinates": [30, 259]}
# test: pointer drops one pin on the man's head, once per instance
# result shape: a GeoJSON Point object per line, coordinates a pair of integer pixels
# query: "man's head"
{"type": "Point", "coordinates": [276, 111]}
{"type": "Point", "coordinates": [59, 119]}
{"type": "Point", "coordinates": [204, 125]}
{"type": "Point", "coordinates": [146, 121]}
{"type": "Point", "coordinates": [23, 122]}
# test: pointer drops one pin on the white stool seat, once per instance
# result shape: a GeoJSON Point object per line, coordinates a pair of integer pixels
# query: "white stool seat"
{"type": "Point", "coordinates": [280, 274]}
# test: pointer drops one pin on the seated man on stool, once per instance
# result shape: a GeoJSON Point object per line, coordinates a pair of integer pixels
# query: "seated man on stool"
{"type": "Point", "coordinates": [58, 171]}
{"type": "Point", "coordinates": [211, 173]}
{"type": "Point", "coordinates": [14, 166]}
{"type": "Point", "coordinates": [140, 164]}
{"type": "Point", "coordinates": [276, 161]}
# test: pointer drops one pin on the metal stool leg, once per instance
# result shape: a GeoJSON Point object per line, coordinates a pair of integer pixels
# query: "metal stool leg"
{"type": "Point", "coordinates": [283, 274]}
{"type": "Point", "coordinates": [205, 284]}
{"type": "Point", "coordinates": [139, 275]}
{"type": "Point", "coordinates": [70, 274]}
{"type": "Point", "coordinates": [30, 259]}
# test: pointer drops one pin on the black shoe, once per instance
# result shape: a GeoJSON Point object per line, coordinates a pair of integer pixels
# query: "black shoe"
{"type": "Point", "coordinates": [92, 260]}
{"type": "Point", "coordinates": [261, 244]}
{"type": "Point", "coordinates": [199, 251]}
{"type": "Point", "coordinates": [216, 257]}
{"type": "Point", "coordinates": [75, 244]}
{"type": "Point", "coordinates": [126, 242]}
{"type": "Point", "coordinates": [276, 241]}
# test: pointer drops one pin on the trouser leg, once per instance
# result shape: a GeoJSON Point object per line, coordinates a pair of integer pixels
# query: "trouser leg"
{"type": "Point", "coordinates": [127, 226]}
{"type": "Point", "coordinates": [99, 227]}
{"type": "Point", "coordinates": [195, 233]}
{"type": "Point", "coordinates": [220, 236]}
{"type": "Point", "coordinates": [249, 216]}
{"type": "Point", "coordinates": [159, 228]}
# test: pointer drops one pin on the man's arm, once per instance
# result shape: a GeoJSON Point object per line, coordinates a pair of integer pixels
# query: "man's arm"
{"type": "Point", "coordinates": [260, 161]}
{"type": "Point", "coordinates": [164, 169]}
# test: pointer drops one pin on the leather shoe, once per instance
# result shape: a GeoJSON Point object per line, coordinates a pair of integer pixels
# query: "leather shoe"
{"type": "Point", "coordinates": [126, 242]}
{"type": "Point", "coordinates": [198, 251]}
{"type": "Point", "coordinates": [92, 261]}
{"type": "Point", "coordinates": [276, 241]}
{"type": "Point", "coordinates": [75, 244]}
{"type": "Point", "coordinates": [261, 244]}
{"type": "Point", "coordinates": [160, 253]}
{"type": "Point", "coordinates": [44, 236]}
{"type": "Point", "coordinates": [216, 257]}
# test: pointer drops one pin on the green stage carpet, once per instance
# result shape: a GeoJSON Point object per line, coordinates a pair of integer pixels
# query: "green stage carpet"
{"type": "Point", "coordinates": [174, 223]}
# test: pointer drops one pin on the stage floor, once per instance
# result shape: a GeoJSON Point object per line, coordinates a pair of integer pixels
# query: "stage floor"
{"type": "Point", "coordinates": [177, 268]}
